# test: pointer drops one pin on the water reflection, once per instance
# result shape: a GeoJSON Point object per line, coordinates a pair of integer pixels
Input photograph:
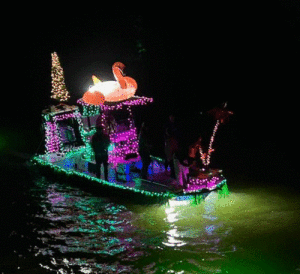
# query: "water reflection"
{"type": "Point", "coordinates": [87, 234]}
{"type": "Point", "coordinates": [173, 236]}
{"type": "Point", "coordinates": [210, 206]}
{"type": "Point", "coordinates": [197, 230]}
{"type": "Point", "coordinates": [79, 223]}
{"type": "Point", "coordinates": [78, 232]}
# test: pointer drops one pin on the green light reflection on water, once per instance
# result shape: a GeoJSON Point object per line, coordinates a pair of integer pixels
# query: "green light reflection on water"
{"type": "Point", "coordinates": [253, 231]}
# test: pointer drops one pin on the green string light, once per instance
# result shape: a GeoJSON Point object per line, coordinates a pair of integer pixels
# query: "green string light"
{"type": "Point", "coordinates": [90, 110]}
{"type": "Point", "coordinates": [69, 172]}
{"type": "Point", "coordinates": [194, 199]}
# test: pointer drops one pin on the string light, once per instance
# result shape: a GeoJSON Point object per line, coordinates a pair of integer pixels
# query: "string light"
{"type": "Point", "coordinates": [196, 184]}
{"type": "Point", "coordinates": [221, 114]}
{"type": "Point", "coordinates": [90, 110]}
{"type": "Point", "coordinates": [70, 172]}
{"type": "Point", "coordinates": [166, 196]}
{"type": "Point", "coordinates": [54, 139]}
{"type": "Point", "coordinates": [124, 143]}
{"type": "Point", "coordinates": [103, 98]}
{"type": "Point", "coordinates": [134, 101]}
{"type": "Point", "coordinates": [59, 91]}
{"type": "Point", "coordinates": [205, 157]}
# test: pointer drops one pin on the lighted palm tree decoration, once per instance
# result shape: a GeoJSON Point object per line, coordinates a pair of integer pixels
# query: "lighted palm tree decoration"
{"type": "Point", "coordinates": [221, 116]}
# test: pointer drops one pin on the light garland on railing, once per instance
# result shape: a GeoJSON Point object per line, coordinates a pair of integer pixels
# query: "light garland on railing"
{"type": "Point", "coordinates": [65, 116]}
{"type": "Point", "coordinates": [58, 169]}
{"type": "Point", "coordinates": [134, 101]}
{"type": "Point", "coordinates": [196, 185]}
{"type": "Point", "coordinates": [90, 110]}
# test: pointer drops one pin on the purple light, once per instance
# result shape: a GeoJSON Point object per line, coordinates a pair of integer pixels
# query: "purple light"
{"type": "Point", "coordinates": [123, 136]}
{"type": "Point", "coordinates": [52, 140]}
{"type": "Point", "coordinates": [125, 143]}
{"type": "Point", "coordinates": [66, 116]}
{"type": "Point", "coordinates": [198, 184]}
{"type": "Point", "coordinates": [134, 101]}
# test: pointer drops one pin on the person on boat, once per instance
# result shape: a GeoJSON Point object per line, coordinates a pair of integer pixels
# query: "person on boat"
{"type": "Point", "coordinates": [194, 150]}
{"type": "Point", "coordinates": [100, 143]}
{"type": "Point", "coordinates": [144, 149]}
{"type": "Point", "coordinates": [181, 164]}
{"type": "Point", "coordinates": [194, 157]}
{"type": "Point", "coordinates": [171, 143]}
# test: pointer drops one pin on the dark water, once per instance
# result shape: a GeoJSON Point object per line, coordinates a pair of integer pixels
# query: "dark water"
{"type": "Point", "coordinates": [53, 227]}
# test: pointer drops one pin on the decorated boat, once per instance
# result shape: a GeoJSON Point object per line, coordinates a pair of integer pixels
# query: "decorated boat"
{"type": "Point", "coordinates": [108, 105]}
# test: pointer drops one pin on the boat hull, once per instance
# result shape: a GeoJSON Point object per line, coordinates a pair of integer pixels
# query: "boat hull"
{"type": "Point", "coordinates": [124, 180]}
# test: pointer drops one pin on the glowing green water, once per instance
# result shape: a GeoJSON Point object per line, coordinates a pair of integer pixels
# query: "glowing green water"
{"type": "Point", "coordinates": [70, 230]}
{"type": "Point", "coordinates": [249, 232]}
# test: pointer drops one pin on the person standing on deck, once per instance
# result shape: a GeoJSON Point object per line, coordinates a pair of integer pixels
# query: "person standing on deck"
{"type": "Point", "coordinates": [181, 163]}
{"type": "Point", "coordinates": [144, 150]}
{"type": "Point", "coordinates": [100, 143]}
{"type": "Point", "coordinates": [171, 143]}
{"type": "Point", "coordinates": [194, 157]}
{"type": "Point", "coordinates": [194, 154]}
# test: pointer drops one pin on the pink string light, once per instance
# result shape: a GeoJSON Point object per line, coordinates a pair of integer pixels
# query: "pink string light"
{"type": "Point", "coordinates": [126, 142]}
{"type": "Point", "coordinates": [134, 101]}
{"type": "Point", "coordinates": [52, 139]}
{"type": "Point", "coordinates": [196, 184]}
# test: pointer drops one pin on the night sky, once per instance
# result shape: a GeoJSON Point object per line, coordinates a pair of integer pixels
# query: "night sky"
{"type": "Point", "coordinates": [188, 58]}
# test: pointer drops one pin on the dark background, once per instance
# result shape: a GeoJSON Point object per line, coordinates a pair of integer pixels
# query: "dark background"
{"type": "Point", "coordinates": [189, 58]}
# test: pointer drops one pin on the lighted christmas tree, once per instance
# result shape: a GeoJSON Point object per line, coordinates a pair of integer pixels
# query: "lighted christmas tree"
{"type": "Point", "coordinates": [59, 90]}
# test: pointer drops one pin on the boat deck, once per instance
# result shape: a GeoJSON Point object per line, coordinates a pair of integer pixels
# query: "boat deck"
{"type": "Point", "coordinates": [127, 174]}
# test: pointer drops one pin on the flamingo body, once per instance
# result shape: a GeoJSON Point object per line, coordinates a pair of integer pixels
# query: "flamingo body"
{"type": "Point", "coordinates": [123, 88]}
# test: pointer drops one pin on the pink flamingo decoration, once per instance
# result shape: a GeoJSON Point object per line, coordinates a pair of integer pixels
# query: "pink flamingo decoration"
{"type": "Point", "coordinates": [113, 91]}
{"type": "Point", "coordinates": [128, 85]}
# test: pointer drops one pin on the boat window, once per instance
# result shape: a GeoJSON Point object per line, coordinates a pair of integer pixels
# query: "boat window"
{"type": "Point", "coordinates": [122, 120]}
{"type": "Point", "coordinates": [69, 133]}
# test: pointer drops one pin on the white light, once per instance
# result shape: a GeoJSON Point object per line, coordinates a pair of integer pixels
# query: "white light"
{"type": "Point", "coordinates": [173, 238]}
{"type": "Point", "coordinates": [105, 88]}
{"type": "Point", "coordinates": [173, 202]}
{"type": "Point", "coordinates": [171, 214]}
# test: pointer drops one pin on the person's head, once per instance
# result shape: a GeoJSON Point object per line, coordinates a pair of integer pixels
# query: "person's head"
{"type": "Point", "coordinates": [99, 130]}
{"type": "Point", "coordinates": [172, 118]}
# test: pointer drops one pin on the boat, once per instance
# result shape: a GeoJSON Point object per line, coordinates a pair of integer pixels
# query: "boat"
{"type": "Point", "coordinates": [68, 153]}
